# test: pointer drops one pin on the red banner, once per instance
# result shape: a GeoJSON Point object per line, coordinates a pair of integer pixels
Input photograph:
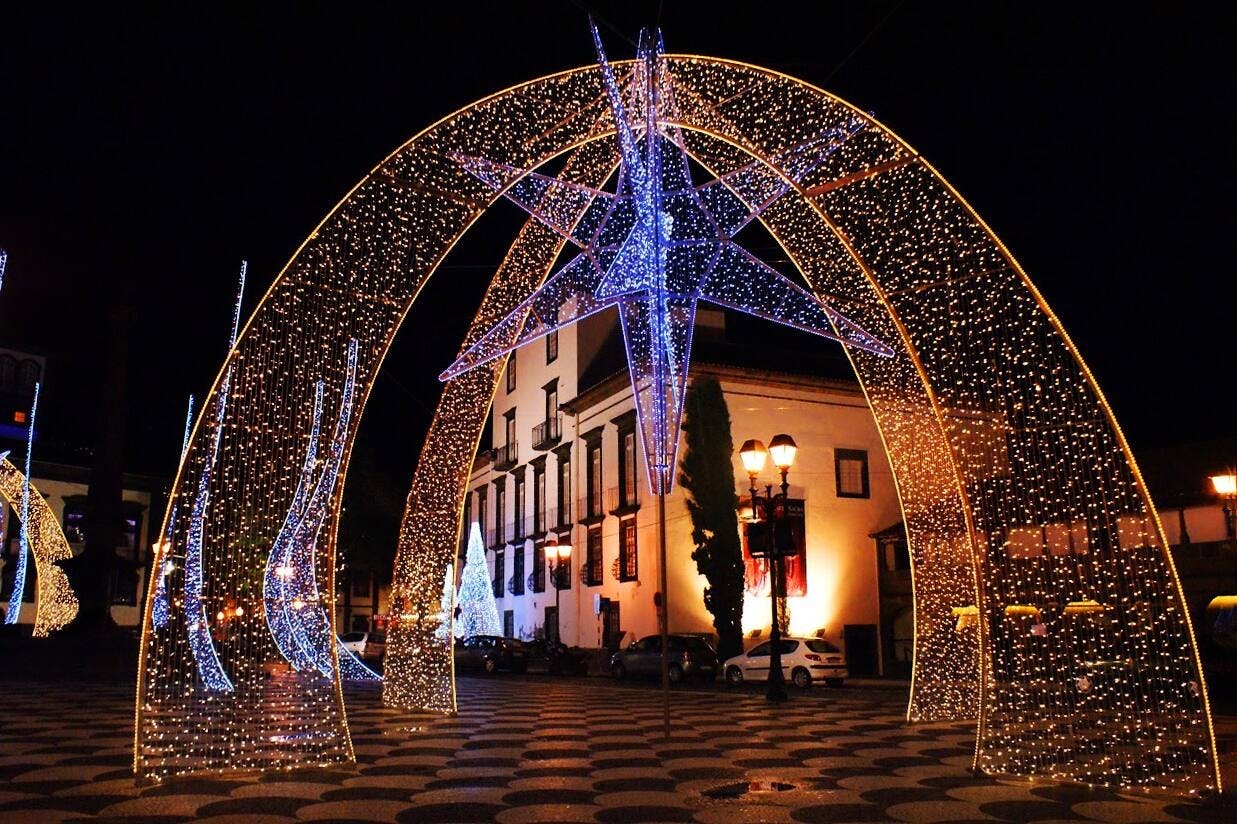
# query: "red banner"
{"type": "Point", "coordinates": [756, 570]}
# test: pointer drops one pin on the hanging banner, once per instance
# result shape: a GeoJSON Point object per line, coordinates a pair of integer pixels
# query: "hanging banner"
{"type": "Point", "coordinates": [756, 570]}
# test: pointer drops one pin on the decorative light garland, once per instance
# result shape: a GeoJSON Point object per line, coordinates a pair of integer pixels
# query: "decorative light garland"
{"type": "Point", "coordinates": [57, 604]}
{"type": "Point", "coordinates": [993, 425]}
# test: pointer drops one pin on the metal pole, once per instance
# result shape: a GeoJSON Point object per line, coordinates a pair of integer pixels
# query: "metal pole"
{"type": "Point", "coordinates": [663, 620]}
{"type": "Point", "coordinates": [777, 682]}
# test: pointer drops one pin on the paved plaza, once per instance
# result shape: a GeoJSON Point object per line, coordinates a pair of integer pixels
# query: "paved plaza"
{"type": "Point", "coordinates": [534, 749]}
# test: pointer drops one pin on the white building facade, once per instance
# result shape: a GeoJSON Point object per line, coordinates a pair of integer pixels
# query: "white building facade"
{"type": "Point", "coordinates": [567, 463]}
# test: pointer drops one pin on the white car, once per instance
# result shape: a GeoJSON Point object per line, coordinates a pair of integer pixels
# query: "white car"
{"type": "Point", "coordinates": [804, 661]}
{"type": "Point", "coordinates": [365, 644]}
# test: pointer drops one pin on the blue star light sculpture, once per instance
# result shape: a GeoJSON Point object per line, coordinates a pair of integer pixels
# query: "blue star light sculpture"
{"type": "Point", "coordinates": [656, 247]}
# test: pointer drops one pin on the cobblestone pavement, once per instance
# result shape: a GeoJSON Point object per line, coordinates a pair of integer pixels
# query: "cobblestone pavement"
{"type": "Point", "coordinates": [535, 749]}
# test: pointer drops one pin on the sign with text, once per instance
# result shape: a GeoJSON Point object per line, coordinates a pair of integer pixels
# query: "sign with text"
{"type": "Point", "coordinates": [792, 529]}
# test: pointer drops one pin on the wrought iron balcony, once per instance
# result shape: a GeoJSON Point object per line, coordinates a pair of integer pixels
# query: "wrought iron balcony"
{"type": "Point", "coordinates": [506, 456]}
{"type": "Point", "coordinates": [549, 432]}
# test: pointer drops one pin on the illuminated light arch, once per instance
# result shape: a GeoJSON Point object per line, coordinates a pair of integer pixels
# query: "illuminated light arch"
{"type": "Point", "coordinates": [1017, 487]}
{"type": "Point", "coordinates": [57, 604]}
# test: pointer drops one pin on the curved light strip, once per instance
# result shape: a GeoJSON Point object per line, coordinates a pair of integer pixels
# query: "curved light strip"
{"type": "Point", "coordinates": [19, 575]}
{"type": "Point", "coordinates": [163, 565]}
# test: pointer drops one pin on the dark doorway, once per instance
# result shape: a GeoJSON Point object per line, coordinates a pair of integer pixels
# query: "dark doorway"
{"type": "Point", "coordinates": [860, 640]}
{"type": "Point", "coordinates": [551, 624]}
{"type": "Point", "coordinates": [610, 632]}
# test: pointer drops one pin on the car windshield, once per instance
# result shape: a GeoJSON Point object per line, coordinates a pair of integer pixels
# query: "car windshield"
{"type": "Point", "coordinates": [821, 645]}
{"type": "Point", "coordinates": [353, 637]}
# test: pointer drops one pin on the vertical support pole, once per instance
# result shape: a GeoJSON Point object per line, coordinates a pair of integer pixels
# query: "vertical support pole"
{"type": "Point", "coordinates": [663, 609]}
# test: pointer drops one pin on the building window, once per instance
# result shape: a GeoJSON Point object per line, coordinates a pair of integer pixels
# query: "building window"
{"type": "Point", "coordinates": [8, 373]}
{"type": "Point", "coordinates": [500, 570]}
{"type": "Point", "coordinates": [593, 559]}
{"type": "Point", "coordinates": [517, 571]}
{"type": "Point", "coordinates": [74, 523]}
{"type": "Point", "coordinates": [518, 532]}
{"type": "Point", "coordinates": [629, 560]}
{"type": "Point", "coordinates": [539, 568]}
{"type": "Point", "coordinates": [539, 525]}
{"type": "Point", "coordinates": [500, 515]}
{"type": "Point", "coordinates": [851, 468]}
{"type": "Point", "coordinates": [594, 504]}
{"type": "Point", "coordinates": [509, 623]}
{"type": "Point", "coordinates": [27, 376]}
{"type": "Point", "coordinates": [360, 585]}
{"type": "Point", "coordinates": [564, 489]}
{"type": "Point", "coordinates": [627, 467]}
{"type": "Point", "coordinates": [511, 370]}
{"type": "Point", "coordinates": [467, 523]}
{"type": "Point", "coordinates": [482, 511]}
{"type": "Point", "coordinates": [551, 347]}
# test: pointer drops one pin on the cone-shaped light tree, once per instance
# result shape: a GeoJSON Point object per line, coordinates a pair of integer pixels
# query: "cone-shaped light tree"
{"type": "Point", "coordinates": [478, 610]}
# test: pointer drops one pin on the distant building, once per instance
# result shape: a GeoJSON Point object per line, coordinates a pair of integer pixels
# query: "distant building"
{"type": "Point", "coordinates": [64, 488]}
{"type": "Point", "coordinates": [19, 372]}
{"type": "Point", "coordinates": [567, 461]}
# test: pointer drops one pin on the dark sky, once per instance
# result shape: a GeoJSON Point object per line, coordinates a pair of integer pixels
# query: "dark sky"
{"type": "Point", "coordinates": [142, 156]}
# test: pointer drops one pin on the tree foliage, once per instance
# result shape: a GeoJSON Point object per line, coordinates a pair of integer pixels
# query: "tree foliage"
{"type": "Point", "coordinates": [707, 473]}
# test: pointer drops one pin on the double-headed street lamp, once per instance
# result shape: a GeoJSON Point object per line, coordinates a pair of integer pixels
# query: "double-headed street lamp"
{"type": "Point", "coordinates": [782, 449]}
{"type": "Point", "coordinates": [557, 555]}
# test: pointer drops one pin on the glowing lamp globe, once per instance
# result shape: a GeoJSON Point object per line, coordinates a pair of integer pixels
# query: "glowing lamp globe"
{"type": "Point", "coordinates": [782, 449]}
{"type": "Point", "coordinates": [1224, 485]}
{"type": "Point", "coordinates": [753, 454]}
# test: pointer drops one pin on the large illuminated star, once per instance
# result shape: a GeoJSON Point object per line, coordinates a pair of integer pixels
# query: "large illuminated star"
{"type": "Point", "coordinates": [654, 248]}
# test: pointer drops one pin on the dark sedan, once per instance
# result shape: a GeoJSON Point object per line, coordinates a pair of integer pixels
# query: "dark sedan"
{"type": "Point", "coordinates": [690, 657]}
{"type": "Point", "coordinates": [555, 659]}
{"type": "Point", "coordinates": [490, 654]}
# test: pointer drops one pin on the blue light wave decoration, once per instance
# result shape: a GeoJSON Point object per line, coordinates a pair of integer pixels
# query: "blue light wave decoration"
{"type": "Point", "coordinates": [656, 247]}
{"type": "Point", "coordinates": [201, 644]}
{"type": "Point", "coordinates": [160, 610]}
{"type": "Point", "coordinates": [295, 613]}
{"type": "Point", "coordinates": [13, 613]}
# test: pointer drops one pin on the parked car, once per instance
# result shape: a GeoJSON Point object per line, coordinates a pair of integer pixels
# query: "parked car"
{"type": "Point", "coordinates": [690, 657]}
{"type": "Point", "coordinates": [490, 653]}
{"type": "Point", "coordinates": [804, 662]}
{"type": "Point", "coordinates": [555, 659]}
{"type": "Point", "coordinates": [365, 644]}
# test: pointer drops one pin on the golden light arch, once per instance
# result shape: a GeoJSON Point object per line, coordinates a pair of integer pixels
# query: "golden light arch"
{"type": "Point", "coordinates": [57, 604]}
{"type": "Point", "coordinates": [1047, 606]}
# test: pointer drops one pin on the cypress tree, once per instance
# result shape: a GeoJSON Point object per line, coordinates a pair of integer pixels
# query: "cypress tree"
{"type": "Point", "coordinates": [707, 474]}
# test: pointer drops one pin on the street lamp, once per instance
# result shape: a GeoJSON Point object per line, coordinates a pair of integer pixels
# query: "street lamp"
{"type": "Point", "coordinates": [753, 454]}
{"type": "Point", "coordinates": [557, 555]}
{"type": "Point", "coordinates": [1225, 486]}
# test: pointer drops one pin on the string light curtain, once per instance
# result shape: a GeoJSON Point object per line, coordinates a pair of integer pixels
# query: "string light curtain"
{"type": "Point", "coordinates": [996, 433]}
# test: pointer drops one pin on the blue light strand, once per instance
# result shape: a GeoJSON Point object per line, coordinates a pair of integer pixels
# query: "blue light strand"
{"type": "Point", "coordinates": [161, 608]}
{"type": "Point", "coordinates": [202, 645]}
{"type": "Point", "coordinates": [655, 248]}
{"type": "Point", "coordinates": [4, 262]}
{"type": "Point", "coordinates": [19, 577]}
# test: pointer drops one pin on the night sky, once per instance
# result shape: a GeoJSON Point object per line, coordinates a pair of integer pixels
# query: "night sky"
{"type": "Point", "coordinates": [142, 157]}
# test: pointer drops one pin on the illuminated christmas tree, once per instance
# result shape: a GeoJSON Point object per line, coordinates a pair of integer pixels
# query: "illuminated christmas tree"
{"type": "Point", "coordinates": [478, 610]}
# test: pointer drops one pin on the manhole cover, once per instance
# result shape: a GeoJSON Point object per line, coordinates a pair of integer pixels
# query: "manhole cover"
{"type": "Point", "coordinates": [748, 788]}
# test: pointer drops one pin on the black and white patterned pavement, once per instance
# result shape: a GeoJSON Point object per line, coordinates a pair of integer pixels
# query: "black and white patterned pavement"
{"type": "Point", "coordinates": [536, 749]}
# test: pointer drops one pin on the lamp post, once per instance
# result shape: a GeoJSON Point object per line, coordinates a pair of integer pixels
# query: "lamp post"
{"type": "Point", "coordinates": [1225, 486]}
{"type": "Point", "coordinates": [556, 556]}
{"type": "Point", "coordinates": [753, 453]}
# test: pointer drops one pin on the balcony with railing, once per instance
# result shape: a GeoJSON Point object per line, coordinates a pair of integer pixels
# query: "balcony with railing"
{"type": "Point", "coordinates": [549, 432]}
{"type": "Point", "coordinates": [506, 456]}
